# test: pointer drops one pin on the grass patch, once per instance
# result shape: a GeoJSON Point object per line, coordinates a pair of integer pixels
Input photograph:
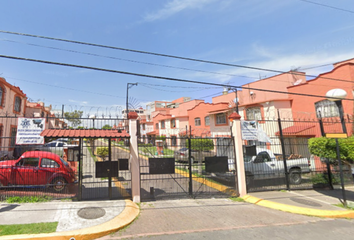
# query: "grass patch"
{"type": "Point", "coordinates": [32, 228]}
{"type": "Point", "coordinates": [237, 199]}
{"type": "Point", "coordinates": [342, 206]}
{"type": "Point", "coordinates": [93, 156]}
{"type": "Point", "coordinates": [28, 199]}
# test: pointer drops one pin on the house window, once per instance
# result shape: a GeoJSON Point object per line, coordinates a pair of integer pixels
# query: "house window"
{"type": "Point", "coordinates": [1, 133]}
{"type": "Point", "coordinates": [156, 126]}
{"type": "Point", "coordinates": [1, 96]}
{"type": "Point", "coordinates": [173, 123]}
{"type": "Point", "coordinates": [207, 121]}
{"type": "Point", "coordinates": [56, 122]}
{"type": "Point", "coordinates": [163, 124]}
{"type": "Point", "coordinates": [144, 126]}
{"type": "Point", "coordinates": [197, 121]}
{"type": "Point", "coordinates": [13, 136]}
{"type": "Point", "coordinates": [326, 108]}
{"type": "Point", "coordinates": [17, 104]}
{"type": "Point", "coordinates": [253, 113]}
{"type": "Point", "coordinates": [220, 118]}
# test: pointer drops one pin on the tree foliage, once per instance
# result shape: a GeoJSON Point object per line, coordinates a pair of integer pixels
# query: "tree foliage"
{"type": "Point", "coordinates": [102, 151]}
{"type": "Point", "coordinates": [201, 144]}
{"type": "Point", "coordinates": [74, 117]}
{"type": "Point", "coordinates": [107, 127]}
{"type": "Point", "coordinates": [327, 148]}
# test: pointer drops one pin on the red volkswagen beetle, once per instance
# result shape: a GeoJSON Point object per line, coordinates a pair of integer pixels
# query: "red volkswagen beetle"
{"type": "Point", "coordinates": [37, 168]}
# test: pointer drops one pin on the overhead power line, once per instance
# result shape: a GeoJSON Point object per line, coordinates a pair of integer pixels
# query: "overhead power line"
{"type": "Point", "coordinates": [160, 77]}
{"type": "Point", "coordinates": [169, 56]}
{"type": "Point", "coordinates": [328, 6]}
{"type": "Point", "coordinates": [127, 60]}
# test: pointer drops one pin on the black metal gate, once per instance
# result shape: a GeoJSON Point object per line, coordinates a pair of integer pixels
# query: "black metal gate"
{"type": "Point", "coordinates": [187, 167]}
{"type": "Point", "coordinates": [105, 172]}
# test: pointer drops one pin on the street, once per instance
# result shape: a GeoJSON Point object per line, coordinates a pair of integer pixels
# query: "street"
{"type": "Point", "coordinates": [225, 219]}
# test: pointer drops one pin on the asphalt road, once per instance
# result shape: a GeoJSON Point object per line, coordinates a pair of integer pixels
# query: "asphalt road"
{"type": "Point", "coordinates": [224, 219]}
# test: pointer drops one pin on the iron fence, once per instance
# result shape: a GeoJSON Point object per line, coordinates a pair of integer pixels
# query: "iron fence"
{"type": "Point", "coordinates": [187, 167]}
{"type": "Point", "coordinates": [283, 160]}
{"type": "Point", "coordinates": [64, 167]}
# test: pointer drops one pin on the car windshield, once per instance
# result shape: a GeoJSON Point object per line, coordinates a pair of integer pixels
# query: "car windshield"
{"type": "Point", "coordinates": [183, 149]}
{"type": "Point", "coordinates": [247, 158]}
{"type": "Point", "coordinates": [64, 162]}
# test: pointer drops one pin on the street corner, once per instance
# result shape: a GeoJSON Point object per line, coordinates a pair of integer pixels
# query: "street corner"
{"type": "Point", "coordinates": [126, 217]}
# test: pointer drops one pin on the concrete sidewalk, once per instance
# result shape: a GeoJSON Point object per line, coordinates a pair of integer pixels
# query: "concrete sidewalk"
{"type": "Point", "coordinates": [76, 220]}
{"type": "Point", "coordinates": [93, 219]}
{"type": "Point", "coordinates": [319, 203]}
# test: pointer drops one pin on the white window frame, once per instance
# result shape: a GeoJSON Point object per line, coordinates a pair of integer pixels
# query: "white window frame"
{"type": "Point", "coordinates": [327, 108]}
{"type": "Point", "coordinates": [197, 121]}
{"type": "Point", "coordinates": [254, 113]}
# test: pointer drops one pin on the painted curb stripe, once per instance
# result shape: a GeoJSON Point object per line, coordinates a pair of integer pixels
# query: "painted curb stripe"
{"type": "Point", "coordinates": [299, 210]}
{"type": "Point", "coordinates": [130, 212]}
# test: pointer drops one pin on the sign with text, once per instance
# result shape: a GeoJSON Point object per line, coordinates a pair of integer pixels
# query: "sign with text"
{"type": "Point", "coordinates": [249, 130]}
{"type": "Point", "coordinates": [29, 130]}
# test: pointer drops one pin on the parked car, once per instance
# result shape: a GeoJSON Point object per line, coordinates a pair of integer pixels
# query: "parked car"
{"type": "Point", "coordinates": [56, 147]}
{"type": "Point", "coordinates": [266, 166]}
{"type": "Point", "coordinates": [37, 168]}
{"type": "Point", "coordinates": [182, 155]}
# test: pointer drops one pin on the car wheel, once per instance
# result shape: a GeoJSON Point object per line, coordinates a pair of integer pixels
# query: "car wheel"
{"type": "Point", "coordinates": [295, 176]}
{"type": "Point", "coordinates": [58, 184]}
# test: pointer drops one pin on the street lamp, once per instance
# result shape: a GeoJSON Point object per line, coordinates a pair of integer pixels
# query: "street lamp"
{"type": "Point", "coordinates": [336, 96]}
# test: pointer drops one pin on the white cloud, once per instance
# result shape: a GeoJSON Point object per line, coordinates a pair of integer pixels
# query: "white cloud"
{"type": "Point", "coordinates": [280, 62]}
{"type": "Point", "coordinates": [176, 6]}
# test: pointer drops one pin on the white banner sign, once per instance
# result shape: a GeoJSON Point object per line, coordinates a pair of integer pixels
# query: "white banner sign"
{"type": "Point", "coordinates": [249, 130]}
{"type": "Point", "coordinates": [29, 130]}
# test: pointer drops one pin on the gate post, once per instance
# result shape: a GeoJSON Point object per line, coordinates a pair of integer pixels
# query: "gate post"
{"type": "Point", "coordinates": [134, 156]}
{"type": "Point", "coordinates": [236, 132]}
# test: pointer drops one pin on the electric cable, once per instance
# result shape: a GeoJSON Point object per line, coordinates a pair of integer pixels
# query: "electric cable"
{"type": "Point", "coordinates": [161, 77]}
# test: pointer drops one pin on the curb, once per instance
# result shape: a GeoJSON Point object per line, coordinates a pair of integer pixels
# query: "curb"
{"type": "Point", "coordinates": [299, 210]}
{"type": "Point", "coordinates": [130, 212]}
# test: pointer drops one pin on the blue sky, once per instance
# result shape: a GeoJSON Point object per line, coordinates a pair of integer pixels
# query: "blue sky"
{"type": "Point", "coordinates": [275, 34]}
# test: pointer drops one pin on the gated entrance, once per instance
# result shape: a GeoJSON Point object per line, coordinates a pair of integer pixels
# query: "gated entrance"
{"type": "Point", "coordinates": [187, 167]}
{"type": "Point", "coordinates": [102, 170]}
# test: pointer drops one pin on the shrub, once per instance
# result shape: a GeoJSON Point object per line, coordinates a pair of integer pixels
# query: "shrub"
{"type": "Point", "coordinates": [102, 151]}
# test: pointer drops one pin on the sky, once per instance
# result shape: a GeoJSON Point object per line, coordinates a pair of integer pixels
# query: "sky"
{"type": "Point", "coordinates": [273, 34]}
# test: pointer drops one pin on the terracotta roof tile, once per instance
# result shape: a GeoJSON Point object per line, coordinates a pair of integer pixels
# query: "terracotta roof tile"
{"type": "Point", "coordinates": [87, 133]}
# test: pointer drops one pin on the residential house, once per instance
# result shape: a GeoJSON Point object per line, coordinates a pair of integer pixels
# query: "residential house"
{"type": "Point", "coordinates": [12, 105]}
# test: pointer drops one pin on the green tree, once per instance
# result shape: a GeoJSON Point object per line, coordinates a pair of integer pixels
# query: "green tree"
{"type": "Point", "coordinates": [74, 117]}
{"type": "Point", "coordinates": [107, 127]}
{"type": "Point", "coordinates": [327, 148]}
{"type": "Point", "coordinates": [201, 144]}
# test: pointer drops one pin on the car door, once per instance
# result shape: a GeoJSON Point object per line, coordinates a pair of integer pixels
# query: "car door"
{"type": "Point", "coordinates": [263, 166]}
{"type": "Point", "coordinates": [47, 168]}
{"type": "Point", "coordinates": [26, 171]}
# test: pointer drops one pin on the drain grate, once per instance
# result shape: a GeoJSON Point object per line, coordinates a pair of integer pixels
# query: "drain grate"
{"type": "Point", "coordinates": [91, 212]}
{"type": "Point", "coordinates": [306, 202]}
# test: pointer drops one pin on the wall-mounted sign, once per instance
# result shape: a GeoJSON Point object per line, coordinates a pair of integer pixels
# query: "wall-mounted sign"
{"type": "Point", "coordinates": [29, 130]}
{"type": "Point", "coordinates": [249, 130]}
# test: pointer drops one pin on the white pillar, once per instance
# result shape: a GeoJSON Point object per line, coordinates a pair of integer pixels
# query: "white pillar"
{"type": "Point", "coordinates": [134, 160]}
{"type": "Point", "coordinates": [236, 132]}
